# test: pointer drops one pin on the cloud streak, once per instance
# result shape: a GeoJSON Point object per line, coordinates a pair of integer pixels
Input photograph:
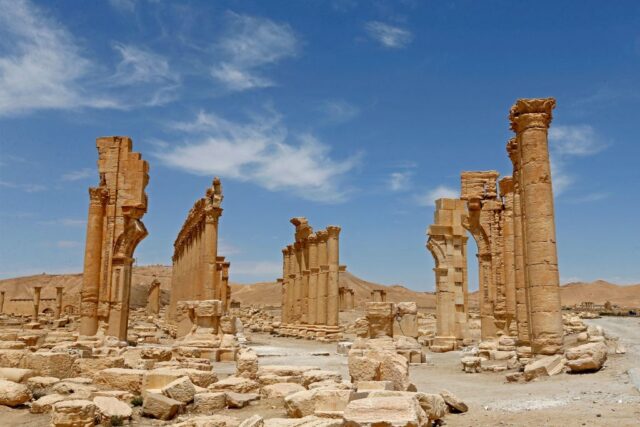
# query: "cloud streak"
{"type": "Point", "coordinates": [387, 35]}
{"type": "Point", "coordinates": [249, 45]}
{"type": "Point", "coordinates": [440, 192]}
{"type": "Point", "coordinates": [260, 151]}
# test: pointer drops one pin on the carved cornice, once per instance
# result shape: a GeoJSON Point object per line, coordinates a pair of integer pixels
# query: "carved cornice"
{"type": "Point", "coordinates": [333, 231]}
{"type": "Point", "coordinates": [531, 113]}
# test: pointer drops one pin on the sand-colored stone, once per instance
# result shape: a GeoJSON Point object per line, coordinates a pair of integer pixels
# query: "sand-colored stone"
{"type": "Point", "coordinates": [73, 413]}
{"type": "Point", "coordinates": [114, 229]}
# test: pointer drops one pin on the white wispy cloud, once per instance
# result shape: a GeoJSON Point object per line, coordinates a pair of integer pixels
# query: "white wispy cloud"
{"type": "Point", "coordinates": [429, 197]}
{"type": "Point", "coordinates": [251, 43]}
{"type": "Point", "coordinates": [400, 181]}
{"type": "Point", "coordinates": [29, 188]}
{"type": "Point", "coordinates": [260, 151]}
{"type": "Point", "coordinates": [339, 111]}
{"type": "Point", "coordinates": [567, 142]}
{"type": "Point", "coordinates": [78, 175]}
{"type": "Point", "coordinates": [123, 5]}
{"type": "Point", "coordinates": [388, 35]}
{"type": "Point", "coordinates": [41, 66]}
{"type": "Point", "coordinates": [66, 222]}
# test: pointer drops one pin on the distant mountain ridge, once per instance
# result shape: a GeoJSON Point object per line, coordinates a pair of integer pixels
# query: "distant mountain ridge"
{"type": "Point", "coordinates": [268, 293]}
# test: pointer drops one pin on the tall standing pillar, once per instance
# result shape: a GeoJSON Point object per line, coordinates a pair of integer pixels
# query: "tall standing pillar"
{"type": "Point", "coordinates": [291, 297]}
{"type": "Point", "coordinates": [333, 253]}
{"type": "Point", "coordinates": [58, 311]}
{"type": "Point", "coordinates": [531, 119]}
{"type": "Point", "coordinates": [36, 302]}
{"type": "Point", "coordinates": [298, 292]}
{"type": "Point", "coordinates": [506, 191]}
{"type": "Point", "coordinates": [284, 311]}
{"type": "Point", "coordinates": [153, 298]}
{"type": "Point", "coordinates": [92, 262]}
{"type": "Point", "coordinates": [226, 291]}
{"type": "Point", "coordinates": [522, 305]}
{"type": "Point", "coordinates": [323, 278]}
{"type": "Point", "coordinates": [304, 291]}
{"type": "Point", "coordinates": [212, 217]}
{"type": "Point", "coordinates": [312, 305]}
{"type": "Point", "coordinates": [2, 302]}
{"type": "Point", "coordinates": [119, 313]}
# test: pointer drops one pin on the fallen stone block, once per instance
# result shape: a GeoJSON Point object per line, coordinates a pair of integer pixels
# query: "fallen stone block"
{"type": "Point", "coordinates": [49, 364]}
{"type": "Point", "coordinates": [16, 375]}
{"type": "Point", "coordinates": [280, 390]}
{"type": "Point", "coordinates": [160, 406]}
{"type": "Point", "coordinates": [13, 394]}
{"type": "Point", "coordinates": [75, 413]}
{"type": "Point", "coordinates": [240, 400]}
{"type": "Point", "coordinates": [108, 407]}
{"type": "Point", "coordinates": [237, 384]}
{"type": "Point", "coordinates": [181, 390]}
{"type": "Point", "coordinates": [45, 404]}
{"type": "Point", "coordinates": [384, 411]}
{"type": "Point", "coordinates": [206, 403]}
{"type": "Point", "coordinates": [587, 357]}
{"type": "Point", "coordinates": [455, 405]}
{"type": "Point", "coordinates": [121, 379]}
{"type": "Point", "coordinates": [543, 367]}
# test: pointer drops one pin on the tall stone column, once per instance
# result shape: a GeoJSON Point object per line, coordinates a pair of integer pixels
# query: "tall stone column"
{"type": "Point", "coordinates": [212, 216]}
{"type": "Point", "coordinates": [153, 298]}
{"type": "Point", "coordinates": [298, 291]}
{"type": "Point", "coordinates": [312, 305]}
{"type": "Point", "coordinates": [531, 119]}
{"type": "Point", "coordinates": [506, 191]}
{"type": "Point", "coordinates": [226, 291]}
{"type": "Point", "coordinates": [522, 305]}
{"type": "Point", "coordinates": [333, 254]}
{"type": "Point", "coordinates": [291, 286]}
{"type": "Point", "coordinates": [2, 302]}
{"type": "Point", "coordinates": [119, 312]}
{"type": "Point", "coordinates": [284, 310]}
{"type": "Point", "coordinates": [92, 262]}
{"type": "Point", "coordinates": [487, 321]}
{"type": "Point", "coordinates": [323, 278]}
{"type": "Point", "coordinates": [304, 291]}
{"type": "Point", "coordinates": [58, 311]}
{"type": "Point", "coordinates": [36, 302]}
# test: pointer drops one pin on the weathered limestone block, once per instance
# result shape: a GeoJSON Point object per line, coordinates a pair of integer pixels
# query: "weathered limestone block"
{"type": "Point", "coordinates": [91, 367]}
{"type": "Point", "coordinates": [121, 379]}
{"type": "Point", "coordinates": [209, 421]}
{"type": "Point", "coordinates": [433, 405]}
{"type": "Point", "coordinates": [380, 317]}
{"type": "Point", "coordinates": [316, 402]}
{"type": "Point", "coordinates": [471, 364]}
{"type": "Point", "coordinates": [308, 421]}
{"type": "Point", "coordinates": [374, 385]}
{"type": "Point", "coordinates": [159, 406]}
{"type": "Point", "coordinates": [247, 364]}
{"type": "Point", "coordinates": [587, 357]}
{"type": "Point", "coordinates": [13, 394]}
{"type": "Point", "coordinates": [50, 364]}
{"type": "Point", "coordinates": [181, 390]}
{"type": "Point", "coordinates": [237, 384]}
{"type": "Point", "coordinates": [206, 403]}
{"type": "Point", "coordinates": [315, 376]}
{"type": "Point", "coordinates": [387, 411]}
{"type": "Point", "coordinates": [108, 407]}
{"type": "Point", "coordinates": [372, 365]}
{"type": "Point", "coordinates": [75, 389]}
{"type": "Point", "coordinates": [453, 402]}
{"type": "Point", "coordinates": [40, 386]}
{"type": "Point", "coordinates": [159, 354]}
{"type": "Point", "coordinates": [240, 400]}
{"type": "Point", "coordinates": [16, 375]}
{"type": "Point", "coordinates": [330, 385]}
{"type": "Point", "coordinates": [73, 413]}
{"type": "Point", "coordinates": [280, 390]}
{"type": "Point", "coordinates": [12, 358]}
{"type": "Point", "coordinates": [395, 368]}
{"type": "Point", "coordinates": [543, 367]}
{"type": "Point", "coordinates": [45, 404]}
{"type": "Point", "coordinates": [253, 421]}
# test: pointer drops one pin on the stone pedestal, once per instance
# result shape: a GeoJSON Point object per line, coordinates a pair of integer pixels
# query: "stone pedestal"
{"type": "Point", "coordinates": [58, 310]}
{"type": "Point", "coordinates": [380, 317]}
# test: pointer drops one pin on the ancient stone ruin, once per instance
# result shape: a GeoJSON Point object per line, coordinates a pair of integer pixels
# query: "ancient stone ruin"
{"type": "Point", "coordinates": [448, 244]}
{"type": "Point", "coordinates": [310, 283]}
{"type": "Point", "coordinates": [114, 229]}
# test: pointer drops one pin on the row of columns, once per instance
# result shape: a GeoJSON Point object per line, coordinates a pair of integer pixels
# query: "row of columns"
{"type": "Point", "coordinates": [310, 282]}
{"type": "Point", "coordinates": [198, 272]}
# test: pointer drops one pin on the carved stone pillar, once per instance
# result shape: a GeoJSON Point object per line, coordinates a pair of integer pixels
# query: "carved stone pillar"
{"type": "Point", "coordinates": [507, 194]}
{"type": "Point", "coordinates": [153, 298]}
{"type": "Point", "coordinates": [333, 254]}
{"type": "Point", "coordinates": [212, 216]}
{"type": "Point", "coordinates": [226, 291]}
{"type": "Point", "coordinates": [58, 310]}
{"type": "Point", "coordinates": [36, 302]}
{"type": "Point", "coordinates": [323, 278]}
{"type": "Point", "coordinates": [2, 302]}
{"type": "Point", "coordinates": [119, 312]}
{"type": "Point", "coordinates": [312, 242]}
{"type": "Point", "coordinates": [291, 286]}
{"type": "Point", "coordinates": [530, 119]}
{"type": "Point", "coordinates": [298, 283]}
{"type": "Point", "coordinates": [92, 261]}
{"type": "Point", "coordinates": [284, 310]}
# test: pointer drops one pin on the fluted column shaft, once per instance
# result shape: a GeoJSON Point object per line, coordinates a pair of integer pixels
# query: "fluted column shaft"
{"type": "Point", "coordinates": [58, 310]}
{"type": "Point", "coordinates": [531, 119]}
{"type": "Point", "coordinates": [312, 242]}
{"type": "Point", "coordinates": [92, 262]}
{"type": "Point", "coordinates": [36, 302]}
{"type": "Point", "coordinates": [333, 254]}
{"type": "Point", "coordinates": [323, 279]}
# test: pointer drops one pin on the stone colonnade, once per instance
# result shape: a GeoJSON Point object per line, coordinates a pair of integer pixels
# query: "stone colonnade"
{"type": "Point", "coordinates": [114, 230]}
{"type": "Point", "coordinates": [310, 283]}
{"type": "Point", "coordinates": [512, 222]}
{"type": "Point", "coordinates": [198, 273]}
{"type": "Point", "coordinates": [447, 243]}
{"type": "Point", "coordinates": [347, 298]}
{"type": "Point", "coordinates": [378, 295]}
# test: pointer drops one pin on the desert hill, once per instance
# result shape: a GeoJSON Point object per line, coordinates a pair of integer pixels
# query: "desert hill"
{"type": "Point", "coordinates": [268, 293]}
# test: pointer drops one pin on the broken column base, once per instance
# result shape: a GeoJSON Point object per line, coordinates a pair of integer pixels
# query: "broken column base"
{"type": "Point", "coordinates": [443, 344]}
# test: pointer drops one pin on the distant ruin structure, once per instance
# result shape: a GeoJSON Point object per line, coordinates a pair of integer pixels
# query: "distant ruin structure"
{"type": "Point", "coordinates": [199, 274]}
{"type": "Point", "coordinates": [114, 230]}
{"type": "Point", "coordinates": [153, 298]}
{"type": "Point", "coordinates": [310, 282]}
{"type": "Point", "coordinates": [447, 243]}
{"type": "Point", "coordinates": [378, 295]}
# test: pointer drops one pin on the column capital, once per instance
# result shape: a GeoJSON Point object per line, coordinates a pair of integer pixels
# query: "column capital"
{"type": "Point", "coordinates": [212, 214]}
{"type": "Point", "coordinates": [531, 113]}
{"type": "Point", "coordinates": [312, 238]}
{"type": "Point", "coordinates": [322, 236]}
{"type": "Point", "coordinates": [333, 231]}
{"type": "Point", "coordinates": [506, 185]}
{"type": "Point", "coordinates": [98, 195]}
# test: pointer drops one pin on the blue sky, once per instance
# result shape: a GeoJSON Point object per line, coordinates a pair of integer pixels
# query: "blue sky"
{"type": "Point", "coordinates": [356, 113]}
